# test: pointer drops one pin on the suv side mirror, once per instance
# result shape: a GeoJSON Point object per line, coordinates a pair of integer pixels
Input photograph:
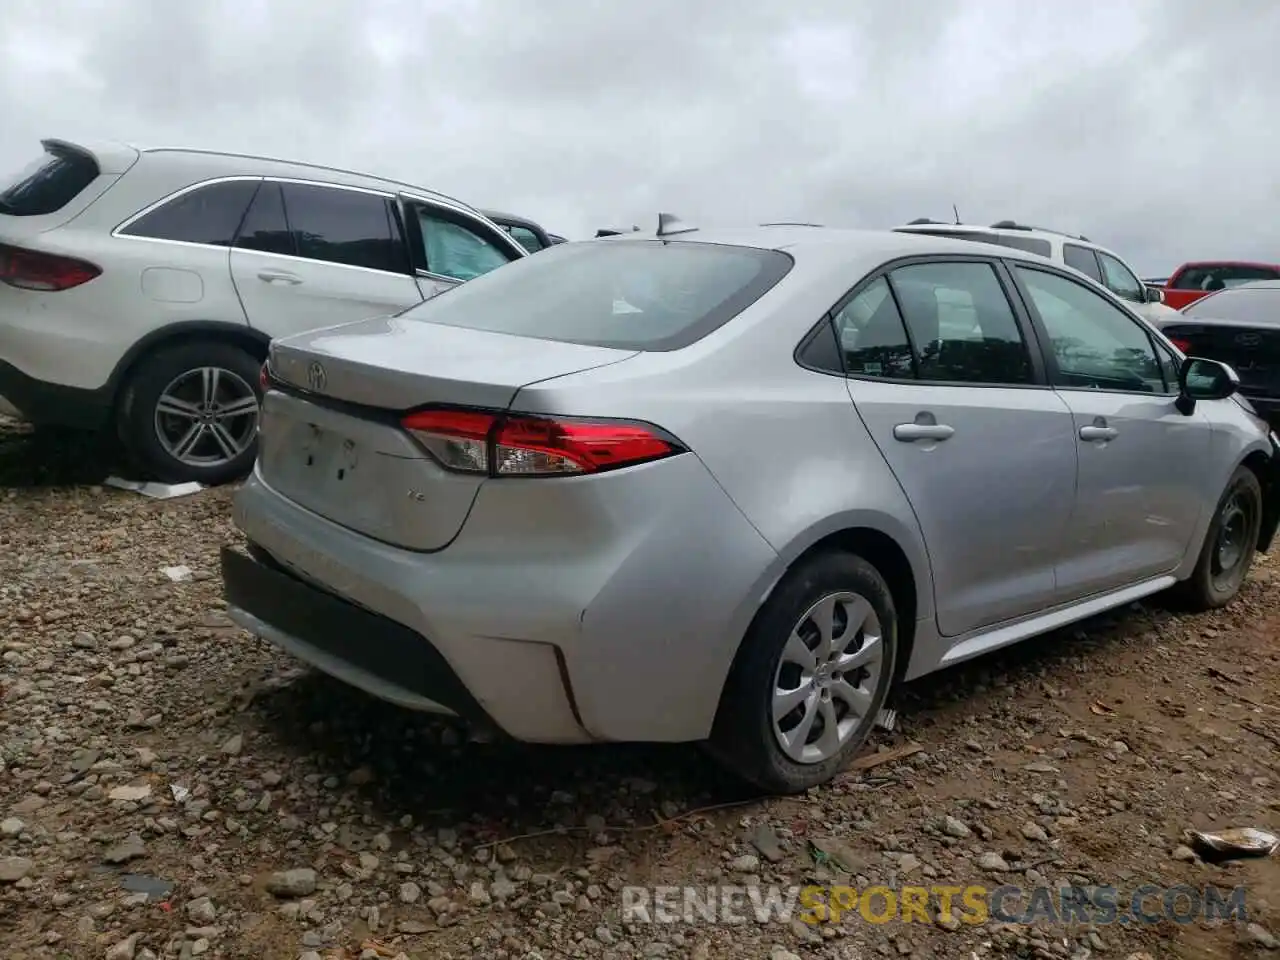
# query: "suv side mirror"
{"type": "Point", "coordinates": [1154, 294]}
{"type": "Point", "coordinates": [1203, 379]}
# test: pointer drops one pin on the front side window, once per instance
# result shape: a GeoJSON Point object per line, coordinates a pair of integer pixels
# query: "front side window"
{"type": "Point", "coordinates": [962, 328]}
{"type": "Point", "coordinates": [210, 214]}
{"type": "Point", "coordinates": [1120, 280]}
{"type": "Point", "coordinates": [343, 226]}
{"type": "Point", "coordinates": [1082, 259]}
{"type": "Point", "coordinates": [455, 251]}
{"type": "Point", "coordinates": [526, 238]}
{"type": "Point", "coordinates": [1095, 344]}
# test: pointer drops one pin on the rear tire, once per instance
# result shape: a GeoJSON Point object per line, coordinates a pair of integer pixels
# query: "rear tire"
{"type": "Point", "coordinates": [796, 708]}
{"type": "Point", "coordinates": [1229, 545]}
{"type": "Point", "coordinates": [190, 412]}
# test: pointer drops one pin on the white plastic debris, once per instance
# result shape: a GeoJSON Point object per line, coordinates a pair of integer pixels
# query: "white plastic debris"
{"type": "Point", "coordinates": [887, 720]}
{"type": "Point", "coordinates": [156, 491]}
{"type": "Point", "coordinates": [180, 793]}
{"type": "Point", "coordinates": [177, 574]}
{"type": "Point", "coordinates": [1235, 843]}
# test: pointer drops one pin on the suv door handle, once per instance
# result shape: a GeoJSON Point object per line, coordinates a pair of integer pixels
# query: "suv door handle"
{"type": "Point", "coordinates": [910, 432]}
{"type": "Point", "coordinates": [1098, 432]}
{"type": "Point", "coordinates": [279, 276]}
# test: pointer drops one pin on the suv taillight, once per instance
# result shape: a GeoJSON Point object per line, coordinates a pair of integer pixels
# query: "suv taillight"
{"type": "Point", "coordinates": [33, 270]}
{"type": "Point", "coordinates": [524, 445]}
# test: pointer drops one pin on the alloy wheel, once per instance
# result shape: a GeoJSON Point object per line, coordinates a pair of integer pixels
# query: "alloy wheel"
{"type": "Point", "coordinates": [207, 416]}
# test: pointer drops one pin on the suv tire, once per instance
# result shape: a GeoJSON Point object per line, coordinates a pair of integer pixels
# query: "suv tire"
{"type": "Point", "coordinates": [190, 412]}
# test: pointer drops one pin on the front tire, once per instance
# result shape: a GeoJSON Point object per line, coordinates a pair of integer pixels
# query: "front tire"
{"type": "Point", "coordinates": [1229, 545]}
{"type": "Point", "coordinates": [813, 673]}
{"type": "Point", "coordinates": [190, 412]}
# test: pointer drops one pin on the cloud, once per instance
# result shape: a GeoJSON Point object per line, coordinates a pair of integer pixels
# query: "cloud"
{"type": "Point", "coordinates": [1145, 125]}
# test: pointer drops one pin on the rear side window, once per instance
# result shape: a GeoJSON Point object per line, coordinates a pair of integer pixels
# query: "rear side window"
{"type": "Point", "coordinates": [1082, 259]}
{"type": "Point", "coordinates": [1029, 244]}
{"type": "Point", "coordinates": [344, 226]}
{"type": "Point", "coordinates": [265, 227]}
{"type": "Point", "coordinates": [526, 238]}
{"type": "Point", "coordinates": [48, 183]}
{"type": "Point", "coordinates": [210, 214]}
{"type": "Point", "coordinates": [627, 294]}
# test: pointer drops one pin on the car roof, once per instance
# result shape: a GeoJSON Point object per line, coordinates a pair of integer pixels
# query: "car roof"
{"type": "Point", "coordinates": [213, 163]}
{"type": "Point", "coordinates": [1039, 232]}
{"type": "Point", "coordinates": [833, 243]}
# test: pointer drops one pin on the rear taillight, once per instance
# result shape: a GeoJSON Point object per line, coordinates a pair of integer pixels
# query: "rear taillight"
{"type": "Point", "coordinates": [520, 445]}
{"type": "Point", "coordinates": [264, 376]}
{"type": "Point", "coordinates": [1183, 345]}
{"type": "Point", "coordinates": [33, 270]}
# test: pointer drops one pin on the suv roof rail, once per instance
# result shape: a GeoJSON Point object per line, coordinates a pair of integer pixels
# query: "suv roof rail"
{"type": "Point", "coordinates": [920, 221]}
{"type": "Point", "coordinates": [1014, 225]}
{"type": "Point", "coordinates": [790, 223]}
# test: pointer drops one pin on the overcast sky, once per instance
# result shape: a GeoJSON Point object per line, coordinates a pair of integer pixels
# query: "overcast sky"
{"type": "Point", "coordinates": [1146, 124]}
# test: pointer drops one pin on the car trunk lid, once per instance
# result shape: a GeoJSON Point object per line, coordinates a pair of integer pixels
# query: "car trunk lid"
{"type": "Point", "coordinates": [331, 439]}
{"type": "Point", "coordinates": [1253, 350]}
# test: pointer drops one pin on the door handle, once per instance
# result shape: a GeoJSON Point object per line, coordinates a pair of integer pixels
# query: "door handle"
{"type": "Point", "coordinates": [910, 432]}
{"type": "Point", "coordinates": [1097, 432]}
{"type": "Point", "coordinates": [279, 276]}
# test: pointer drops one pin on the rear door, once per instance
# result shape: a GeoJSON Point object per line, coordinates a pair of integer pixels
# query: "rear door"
{"type": "Point", "coordinates": [1139, 492]}
{"type": "Point", "coordinates": [313, 255]}
{"type": "Point", "coordinates": [448, 246]}
{"type": "Point", "coordinates": [942, 371]}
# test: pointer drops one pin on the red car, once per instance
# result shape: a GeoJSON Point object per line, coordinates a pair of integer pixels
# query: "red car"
{"type": "Point", "coordinates": [1191, 281]}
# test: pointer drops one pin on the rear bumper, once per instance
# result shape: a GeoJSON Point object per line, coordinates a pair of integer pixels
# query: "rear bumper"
{"type": "Point", "coordinates": [52, 404]}
{"type": "Point", "coordinates": [572, 611]}
{"type": "Point", "coordinates": [367, 650]}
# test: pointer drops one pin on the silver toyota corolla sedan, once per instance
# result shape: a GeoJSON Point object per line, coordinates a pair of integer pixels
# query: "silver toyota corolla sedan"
{"type": "Point", "coordinates": [730, 486]}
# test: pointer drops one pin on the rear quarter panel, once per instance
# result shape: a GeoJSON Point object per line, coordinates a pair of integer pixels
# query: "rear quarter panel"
{"type": "Point", "coordinates": [784, 443]}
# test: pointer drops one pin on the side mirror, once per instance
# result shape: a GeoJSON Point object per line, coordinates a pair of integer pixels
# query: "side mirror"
{"type": "Point", "coordinates": [1203, 379]}
{"type": "Point", "coordinates": [1154, 294]}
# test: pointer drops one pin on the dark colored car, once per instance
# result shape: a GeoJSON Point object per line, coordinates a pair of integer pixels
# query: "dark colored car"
{"type": "Point", "coordinates": [1239, 326]}
{"type": "Point", "coordinates": [526, 232]}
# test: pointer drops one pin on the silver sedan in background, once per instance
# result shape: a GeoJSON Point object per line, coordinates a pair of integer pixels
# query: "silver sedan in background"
{"type": "Point", "coordinates": [730, 486]}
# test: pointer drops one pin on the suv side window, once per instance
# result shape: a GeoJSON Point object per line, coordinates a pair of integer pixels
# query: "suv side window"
{"type": "Point", "coordinates": [453, 250]}
{"type": "Point", "coordinates": [1094, 343]}
{"type": "Point", "coordinates": [1082, 259]}
{"type": "Point", "coordinates": [1120, 280]}
{"type": "Point", "coordinates": [337, 225]}
{"type": "Point", "coordinates": [1029, 244]}
{"type": "Point", "coordinates": [526, 238]}
{"type": "Point", "coordinates": [209, 215]}
{"type": "Point", "coordinates": [265, 227]}
{"type": "Point", "coordinates": [962, 327]}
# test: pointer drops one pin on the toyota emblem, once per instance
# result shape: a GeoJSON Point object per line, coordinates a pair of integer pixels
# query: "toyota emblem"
{"type": "Point", "coordinates": [316, 377]}
{"type": "Point", "coordinates": [1248, 339]}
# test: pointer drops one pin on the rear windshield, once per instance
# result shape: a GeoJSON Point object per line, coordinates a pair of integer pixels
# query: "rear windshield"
{"type": "Point", "coordinates": [628, 294]}
{"type": "Point", "coordinates": [47, 184]}
{"type": "Point", "coordinates": [1242, 305]}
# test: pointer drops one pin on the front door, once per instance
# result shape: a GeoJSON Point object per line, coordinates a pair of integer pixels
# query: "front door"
{"type": "Point", "coordinates": [1138, 495]}
{"type": "Point", "coordinates": [312, 255]}
{"type": "Point", "coordinates": [983, 449]}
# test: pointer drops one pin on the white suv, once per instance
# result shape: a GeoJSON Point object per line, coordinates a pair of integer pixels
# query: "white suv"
{"type": "Point", "coordinates": [139, 287]}
{"type": "Point", "coordinates": [1080, 253]}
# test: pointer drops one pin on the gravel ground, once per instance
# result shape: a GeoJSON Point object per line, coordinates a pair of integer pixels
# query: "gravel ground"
{"type": "Point", "coordinates": [170, 787]}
